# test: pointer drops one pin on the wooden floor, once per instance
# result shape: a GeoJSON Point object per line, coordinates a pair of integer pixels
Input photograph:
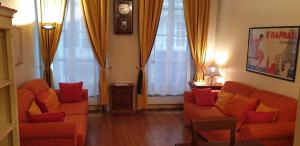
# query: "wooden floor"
{"type": "Point", "coordinates": [155, 128]}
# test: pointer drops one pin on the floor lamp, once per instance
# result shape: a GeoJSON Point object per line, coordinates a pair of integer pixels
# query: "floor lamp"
{"type": "Point", "coordinates": [47, 29]}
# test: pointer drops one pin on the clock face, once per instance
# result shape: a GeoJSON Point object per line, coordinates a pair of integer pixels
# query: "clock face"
{"type": "Point", "coordinates": [124, 9]}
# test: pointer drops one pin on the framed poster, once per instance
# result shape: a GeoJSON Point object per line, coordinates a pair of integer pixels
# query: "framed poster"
{"type": "Point", "coordinates": [273, 51]}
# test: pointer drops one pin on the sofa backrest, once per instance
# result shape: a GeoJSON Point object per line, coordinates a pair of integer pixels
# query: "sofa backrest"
{"type": "Point", "coordinates": [287, 106]}
{"type": "Point", "coordinates": [37, 86]}
{"type": "Point", "coordinates": [25, 98]}
{"type": "Point", "coordinates": [238, 88]}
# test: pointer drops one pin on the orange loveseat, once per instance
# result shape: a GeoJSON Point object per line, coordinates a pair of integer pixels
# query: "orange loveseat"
{"type": "Point", "coordinates": [71, 132]}
{"type": "Point", "coordinates": [277, 133]}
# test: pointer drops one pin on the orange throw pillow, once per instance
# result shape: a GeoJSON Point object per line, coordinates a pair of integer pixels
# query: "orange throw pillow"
{"type": "Point", "coordinates": [50, 99]}
{"type": "Point", "coordinates": [34, 109]}
{"type": "Point", "coordinates": [264, 108]}
{"type": "Point", "coordinates": [239, 105]}
{"type": "Point", "coordinates": [223, 99]}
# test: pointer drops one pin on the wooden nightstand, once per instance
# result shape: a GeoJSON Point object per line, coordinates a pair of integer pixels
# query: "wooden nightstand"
{"type": "Point", "coordinates": [122, 98]}
{"type": "Point", "coordinates": [213, 87]}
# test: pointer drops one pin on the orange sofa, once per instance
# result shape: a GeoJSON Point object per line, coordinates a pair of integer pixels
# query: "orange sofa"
{"type": "Point", "coordinates": [278, 133]}
{"type": "Point", "coordinates": [71, 132]}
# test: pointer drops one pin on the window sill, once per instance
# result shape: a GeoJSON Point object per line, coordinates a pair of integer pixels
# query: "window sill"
{"type": "Point", "coordinates": [165, 100]}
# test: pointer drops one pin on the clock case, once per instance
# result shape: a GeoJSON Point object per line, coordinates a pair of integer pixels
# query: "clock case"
{"type": "Point", "coordinates": [123, 23]}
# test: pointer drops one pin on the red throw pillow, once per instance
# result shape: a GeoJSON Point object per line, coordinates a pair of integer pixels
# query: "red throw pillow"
{"type": "Point", "coordinates": [259, 117]}
{"type": "Point", "coordinates": [47, 117]}
{"type": "Point", "coordinates": [41, 105]}
{"type": "Point", "coordinates": [71, 92]}
{"type": "Point", "coordinates": [203, 97]}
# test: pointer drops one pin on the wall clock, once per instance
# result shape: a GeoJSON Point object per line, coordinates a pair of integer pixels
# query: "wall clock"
{"type": "Point", "coordinates": [123, 21]}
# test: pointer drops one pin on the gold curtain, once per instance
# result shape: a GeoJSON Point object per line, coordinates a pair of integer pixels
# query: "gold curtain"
{"type": "Point", "coordinates": [196, 14]}
{"type": "Point", "coordinates": [50, 16]}
{"type": "Point", "coordinates": [149, 14]}
{"type": "Point", "coordinates": [96, 13]}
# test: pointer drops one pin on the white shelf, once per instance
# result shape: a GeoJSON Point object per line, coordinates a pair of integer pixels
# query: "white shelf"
{"type": "Point", "coordinates": [5, 129]}
{"type": "Point", "coordinates": [5, 83]}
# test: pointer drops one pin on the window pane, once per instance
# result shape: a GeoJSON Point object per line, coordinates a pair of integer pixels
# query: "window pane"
{"type": "Point", "coordinates": [169, 63]}
{"type": "Point", "coordinates": [163, 23]}
{"type": "Point", "coordinates": [74, 60]}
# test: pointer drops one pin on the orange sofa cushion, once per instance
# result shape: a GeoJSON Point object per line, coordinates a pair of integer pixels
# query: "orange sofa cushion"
{"type": "Point", "coordinates": [259, 117]}
{"type": "Point", "coordinates": [74, 108]}
{"type": "Point", "coordinates": [25, 98]}
{"type": "Point", "coordinates": [239, 105]}
{"type": "Point", "coordinates": [238, 88]}
{"type": "Point", "coordinates": [47, 117]}
{"type": "Point", "coordinates": [267, 130]}
{"type": "Point", "coordinates": [193, 111]}
{"type": "Point", "coordinates": [36, 86]}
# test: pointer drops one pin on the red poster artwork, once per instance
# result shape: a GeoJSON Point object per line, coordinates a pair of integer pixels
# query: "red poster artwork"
{"type": "Point", "coordinates": [272, 51]}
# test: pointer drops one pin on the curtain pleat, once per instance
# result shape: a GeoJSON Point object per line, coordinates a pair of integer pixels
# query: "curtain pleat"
{"type": "Point", "coordinates": [50, 13]}
{"type": "Point", "coordinates": [197, 20]}
{"type": "Point", "coordinates": [149, 14]}
{"type": "Point", "coordinates": [96, 13]}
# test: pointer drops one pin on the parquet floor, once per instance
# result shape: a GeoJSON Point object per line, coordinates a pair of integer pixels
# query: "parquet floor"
{"type": "Point", "coordinates": [155, 128]}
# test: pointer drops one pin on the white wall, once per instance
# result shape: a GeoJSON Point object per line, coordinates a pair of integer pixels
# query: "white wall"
{"type": "Point", "coordinates": [123, 51]}
{"type": "Point", "coordinates": [234, 19]}
{"type": "Point", "coordinates": [24, 19]}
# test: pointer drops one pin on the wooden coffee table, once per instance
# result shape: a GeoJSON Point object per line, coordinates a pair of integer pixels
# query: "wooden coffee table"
{"type": "Point", "coordinates": [208, 124]}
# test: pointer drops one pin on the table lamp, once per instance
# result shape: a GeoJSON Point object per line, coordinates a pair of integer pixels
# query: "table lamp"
{"type": "Point", "coordinates": [212, 72]}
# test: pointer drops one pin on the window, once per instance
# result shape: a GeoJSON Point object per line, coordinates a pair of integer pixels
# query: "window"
{"type": "Point", "coordinates": [74, 60]}
{"type": "Point", "coordinates": [169, 64]}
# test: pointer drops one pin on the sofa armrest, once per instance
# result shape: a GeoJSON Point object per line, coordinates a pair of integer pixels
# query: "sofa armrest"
{"type": "Point", "coordinates": [85, 93]}
{"type": "Point", "coordinates": [188, 96]}
{"type": "Point", "coordinates": [267, 130]}
{"type": "Point", "coordinates": [47, 130]}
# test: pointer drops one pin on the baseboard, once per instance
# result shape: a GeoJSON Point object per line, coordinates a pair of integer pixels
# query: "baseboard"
{"type": "Point", "coordinates": [96, 108]}
{"type": "Point", "coordinates": [165, 107]}
{"type": "Point", "coordinates": [151, 107]}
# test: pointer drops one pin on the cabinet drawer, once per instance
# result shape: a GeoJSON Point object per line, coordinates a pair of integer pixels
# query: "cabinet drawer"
{"type": "Point", "coordinates": [122, 92]}
{"type": "Point", "coordinates": [122, 100]}
{"type": "Point", "coordinates": [121, 96]}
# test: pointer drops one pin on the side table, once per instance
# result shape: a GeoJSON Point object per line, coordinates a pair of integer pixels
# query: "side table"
{"type": "Point", "coordinates": [213, 87]}
{"type": "Point", "coordinates": [121, 98]}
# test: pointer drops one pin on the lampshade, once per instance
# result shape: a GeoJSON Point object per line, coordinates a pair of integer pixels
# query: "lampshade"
{"type": "Point", "coordinates": [51, 11]}
{"type": "Point", "coordinates": [48, 27]}
{"type": "Point", "coordinates": [212, 71]}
